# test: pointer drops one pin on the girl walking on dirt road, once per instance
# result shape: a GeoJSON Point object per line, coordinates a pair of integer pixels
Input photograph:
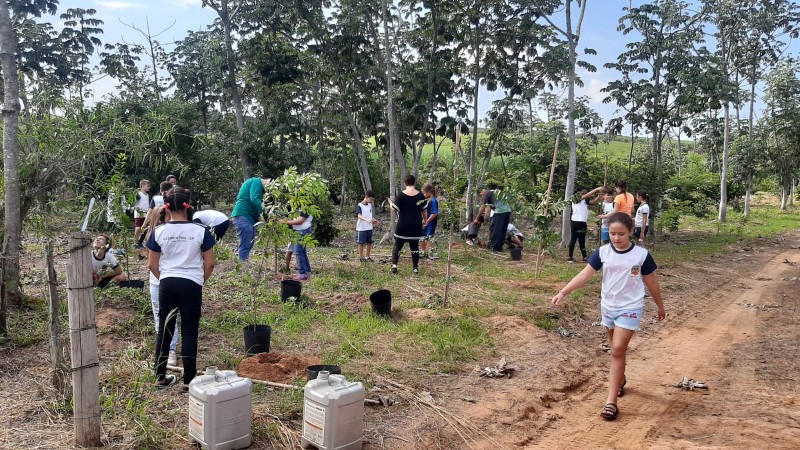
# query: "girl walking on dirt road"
{"type": "Point", "coordinates": [627, 269]}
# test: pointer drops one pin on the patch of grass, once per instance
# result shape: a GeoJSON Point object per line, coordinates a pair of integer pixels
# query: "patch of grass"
{"type": "Point", "coordinates": [446, 342]}
{"type": "Point", "coordinates": [545, 321]}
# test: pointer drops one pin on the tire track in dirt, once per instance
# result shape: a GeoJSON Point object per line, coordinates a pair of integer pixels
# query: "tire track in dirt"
{"type": "Point", "coordinates": [695, 347]}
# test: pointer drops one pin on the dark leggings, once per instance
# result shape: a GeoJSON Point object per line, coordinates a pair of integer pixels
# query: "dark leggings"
{"type": "Point", "coordinates": [413, 244]}
{"type": "Point", "coordinates": [578, 234]}
{"type": "Point", "coordinates": [178, 296]}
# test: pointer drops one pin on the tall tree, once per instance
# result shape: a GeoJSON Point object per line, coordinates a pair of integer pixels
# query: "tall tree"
{"type": "Point", "coordinates": [767, 22]}
{"type": "Point", "coordinates": [79, 41]}
{"type": "Point", "coordinates": [226, 16]}
{"type": "Point", "coordinates": [783, 121]}
{"type": "Point", "coordinates": [572, 33]}
{"type": "Point", "coordinates": [12, 222]}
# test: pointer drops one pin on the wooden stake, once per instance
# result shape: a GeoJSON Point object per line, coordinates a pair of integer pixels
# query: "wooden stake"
{"type": "Point", "coordinates": [605, 174]}
{"type": "Point", "coordinates": [547, 203]}
{"type": "Point", "coordinates": [83, 342]}
{"type": "Point", "coordinates": [449, 263]}
{"type": "Point", "coordinates": [57, 363]}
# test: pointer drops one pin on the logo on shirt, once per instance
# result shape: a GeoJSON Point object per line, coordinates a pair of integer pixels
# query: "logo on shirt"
{"type": "Point", "coordinates": [635, 270]}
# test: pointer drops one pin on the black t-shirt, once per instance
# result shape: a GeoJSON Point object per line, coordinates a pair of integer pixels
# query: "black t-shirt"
{"type": "Point", "coordinates": [409, 222]}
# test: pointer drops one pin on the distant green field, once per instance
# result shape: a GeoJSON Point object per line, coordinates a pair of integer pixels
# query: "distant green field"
{"type": "Point", "coordinates": [616, 150]}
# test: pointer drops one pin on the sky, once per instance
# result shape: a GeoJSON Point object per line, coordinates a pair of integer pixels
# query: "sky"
{"type": "Point", "coordinates": [599, 32]}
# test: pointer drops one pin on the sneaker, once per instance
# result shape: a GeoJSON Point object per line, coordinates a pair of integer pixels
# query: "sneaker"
{"type": "Point", "coordinates": [165, 382]}
{"type": "Point", "coordinates": [117, 251]}
{"type": "Point", "coordinates": [416, 271]}
{"type": "Point", "coordinates": [185, 389]}
{"type": "Point", "coordinates": [172, 360]}
{"type": "Point", "coordinates": [394, 269]}
{"type": "Point", "coordinates": [470, 242]}
{"type": "Point", "coordinates": [570, 261]}
{"type": "Point", "coordinates": [585, 259]}
{"type": "Point", "coordinates": [301, 277]}
{"type": "Point", "coordinates": [368, 259]}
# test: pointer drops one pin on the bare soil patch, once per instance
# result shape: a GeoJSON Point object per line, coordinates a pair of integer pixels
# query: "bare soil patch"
{"type": "Point", "coordinates": [352, 302]}
{"type": "Point", "coordinates": [276, 367]}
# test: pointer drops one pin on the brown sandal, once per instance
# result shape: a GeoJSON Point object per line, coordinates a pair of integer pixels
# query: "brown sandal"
{"type": "Point", "coordinates": [621, 392]}
{"type": "Point", "coordinates": [609, 412]}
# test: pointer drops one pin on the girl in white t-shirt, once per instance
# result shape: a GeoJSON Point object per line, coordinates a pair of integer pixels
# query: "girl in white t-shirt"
{"type": "Point", "coordinates": [642, 215]}
{"type": "Point", "coordinates": [181, 257]}
{"type": "Point", "coordinates": [627, 269]}
{"type": "Point", "coordinates": [579, 219]}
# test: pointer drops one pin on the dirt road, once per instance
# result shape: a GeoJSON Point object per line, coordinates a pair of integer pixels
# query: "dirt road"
{"type": "Point", "coordinates": [730, 343]}
{"type": "Point", "coordinates": [733, 322]}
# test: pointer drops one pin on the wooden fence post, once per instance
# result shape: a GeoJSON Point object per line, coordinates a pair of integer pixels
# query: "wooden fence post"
{"type": "Point", "coordinates": [547, 204]}
{"type": "Point", "coordinates": [83, 342]}
{"type": "Point", "coordinates": [57, 363]}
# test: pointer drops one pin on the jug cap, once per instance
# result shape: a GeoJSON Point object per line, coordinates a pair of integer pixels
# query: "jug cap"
{"type": "Point", "coordinates": [324, 375]}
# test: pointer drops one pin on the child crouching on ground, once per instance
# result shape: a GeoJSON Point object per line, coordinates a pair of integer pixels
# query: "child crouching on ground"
{"type": "Point", "coordinates": [627, 269]}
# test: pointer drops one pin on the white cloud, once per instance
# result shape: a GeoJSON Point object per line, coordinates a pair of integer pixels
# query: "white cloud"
{"type": "Point", "coordinates": [186, 3]}
{"type": "Point", "coordinates": [594, 90]}
{"type": "Point", "coordinates": [118, 5]}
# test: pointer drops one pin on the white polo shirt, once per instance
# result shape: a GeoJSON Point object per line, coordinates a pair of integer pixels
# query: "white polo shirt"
{"type": "Point", "coordinates": [644, 208]}
{"type": "Point", "coordinates": [209, 217]}
{"type": "Point", "coordinates": [364, 209]}
{"type": "Point", "coordinates": [181, 245]}
{"type": "Point", "coordinates": [623, 288]}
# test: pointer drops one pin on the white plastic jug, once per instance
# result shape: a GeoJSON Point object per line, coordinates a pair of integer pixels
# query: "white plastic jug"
{"type": "Point", "coordinates": [333, 413]}
{"type": "Point", "coordinates": [220, 410]}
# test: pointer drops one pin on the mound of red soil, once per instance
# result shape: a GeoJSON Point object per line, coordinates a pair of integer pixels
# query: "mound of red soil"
{"type": "Point", "coordinates": [276, 367]}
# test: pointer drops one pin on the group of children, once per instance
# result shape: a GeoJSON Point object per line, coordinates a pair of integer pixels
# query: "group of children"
{"type": "Point", "coordinates": [418, 216]}
{"type": "Point", "coordinates": [622, 202]}
{"type": "Point", "coordinates": [627, 269]}
{"type": "Point", "coordinates": [179, 244]}
{"type": "Point", "coordinates": [180, 260]}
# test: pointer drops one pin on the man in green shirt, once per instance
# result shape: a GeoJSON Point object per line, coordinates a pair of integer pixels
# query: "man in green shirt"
{"type": "Point", "coordinates": [246, 212]}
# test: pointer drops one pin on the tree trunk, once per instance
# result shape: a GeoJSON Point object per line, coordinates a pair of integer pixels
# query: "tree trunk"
{"type": "Point", "coordinates": [394, 138]}
{"type": "Point", "coordinates": [12, 221]}
{"type": "Point", "coordinates": [680, 153]}
{"type": "Point", "coordinates": [572, 39]}
{"type": "Point", "coordinates": [361, 156]}
{"type": "Point", "coordinates": [429, 101]}
{"type": "Point", "coordinates": [473, 148]}
{"type": "Point", "coordinates": [230, 59]}
{"type": "Point", "coordinates": [750, 120]}
{"type": "Point", "coordinates": [723, 178]}
{"type": "Point", "coordinates": [344, 180]}
{"type": "Point", "coordinates": [58, 366]}
{"type": "Point", "coordinates": [434, 157]}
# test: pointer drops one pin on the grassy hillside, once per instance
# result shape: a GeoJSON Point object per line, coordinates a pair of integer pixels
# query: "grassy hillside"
{"type": "Point", "coordinates": [618, 149]}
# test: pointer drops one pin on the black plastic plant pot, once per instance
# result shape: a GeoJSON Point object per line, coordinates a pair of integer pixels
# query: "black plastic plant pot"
{"type": "Point", "coordinates": [516, 253]}
{"type": "Point", "coordinates": [291, 289]}
{"type": "Point", "coordinates": [256, 339]}
{"type": "Point", "coordinates": [381, 302]}
{"type": "Point", "coordinates": [313, 371]}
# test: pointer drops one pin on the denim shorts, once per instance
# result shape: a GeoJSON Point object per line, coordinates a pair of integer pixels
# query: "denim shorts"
{"type": "Point", "coordinates": [604, 234]}
{"type": "Point", "coordinates": [628, 319]}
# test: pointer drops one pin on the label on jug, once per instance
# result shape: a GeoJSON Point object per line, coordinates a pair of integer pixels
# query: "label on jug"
{"type": "Point", "coordinates": [197, 413]}
{"type": "Point", "coordinates": [314, 423]}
